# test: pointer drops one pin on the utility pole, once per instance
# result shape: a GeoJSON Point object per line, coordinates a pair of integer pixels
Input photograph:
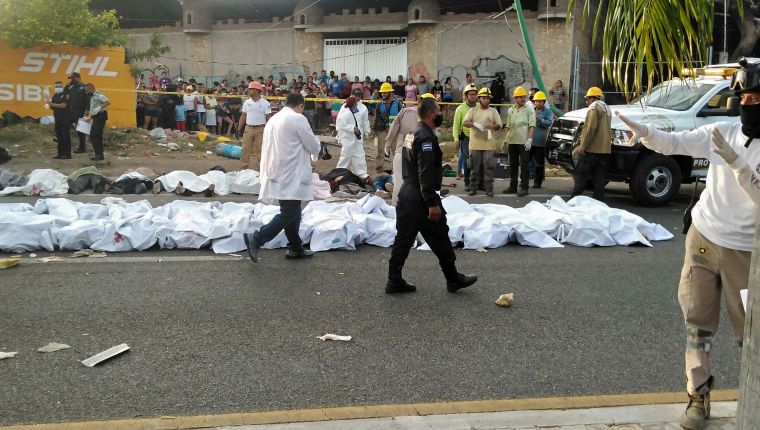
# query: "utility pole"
{"type": "Point", "coordinates": [748, 414]}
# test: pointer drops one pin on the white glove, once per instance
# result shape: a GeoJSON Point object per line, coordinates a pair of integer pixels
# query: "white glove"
{"type": "Point", "coordinates": [528, 143]}
{"type": "Point", "coordinates": [722, 148]}
{"type": "Point", "coordinates": [479, 126]}
{"type": "Point", "coordinates": [638, 129]}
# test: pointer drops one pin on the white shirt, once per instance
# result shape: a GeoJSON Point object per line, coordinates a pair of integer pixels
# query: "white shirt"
{"type": "Point", "coordinates": [189, 101]}
{"type": "Point", "coordinates": [285, 162]}
{"type": "Point", "coordinates": [727, 209]}
{"type": "Point", "coordinates": [345, 124]}
{"type": "Point", "coordinates": [256, 111]}
{"type": "Point", "coordinates": [201, 99]}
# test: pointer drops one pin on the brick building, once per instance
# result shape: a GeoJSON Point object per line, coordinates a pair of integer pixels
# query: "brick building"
{"type": "Point", "coordinates": [435, 38]}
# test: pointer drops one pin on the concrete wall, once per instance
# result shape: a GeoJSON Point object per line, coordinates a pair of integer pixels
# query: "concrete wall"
{"type": "Point", "coordinates": [263, 52]}
{"type": "Point", "coordinates": [173, 38]}
{"type": "Point", "coordinates": [308, 49]}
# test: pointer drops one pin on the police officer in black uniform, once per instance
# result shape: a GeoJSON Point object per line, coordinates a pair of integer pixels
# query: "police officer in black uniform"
{"type": "Point", "coordinates": [78, 103]}
{"type": "Point", "coordinates": [59, 104]}
{"type": "Point", "coordinates": [419, 207]}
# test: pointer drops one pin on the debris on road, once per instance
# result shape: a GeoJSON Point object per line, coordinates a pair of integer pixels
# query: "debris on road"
{"type": "Point", "coordinates": [32, 255]}
{"type": "Point", "coordinates": [51, 259]}
{"type": "Point", "coordinates": [105, 355]}
{"type": "Point", "coordinates": [7, 354]}
{"type": "Point", "coordinates": [53, 347]}
{"type": "Point", "coordinates": [82, 253]}
{"type": "Point", "coordinates": [98, 255]}
{"type": "Point", "coordinates": [330, 336]}
{"type": "Point", "coordinates": [483, 250]}
{"type": "Point", "coordinates": [9, 262]}
{"type": "Point", "coordinates": [505, 299]}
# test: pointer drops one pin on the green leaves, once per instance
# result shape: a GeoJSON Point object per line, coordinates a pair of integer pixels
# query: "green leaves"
{"type": "Point", "coordinates": [32, 22]}
{"type": "Point", "coordinates": [644, 41]}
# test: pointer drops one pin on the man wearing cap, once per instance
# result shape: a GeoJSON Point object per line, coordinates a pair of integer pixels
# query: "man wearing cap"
{"type": "Point", "coordinates": [62, 121]}
{"type": "Point", "coordinates": [256, 112]}
{"type": "Point", "coordinates": [352, 125]}
{"type": "Point", "coordinates": [462, 134]}
{"type": "Point", "coordinates": [419, 209]}
{"type": "Point", "coordinates": [483, 121]}
{"type": "Point", "coordinates": [385, 112]}
{"type": "Point", "coordinates": [594, 146]}
{"type": "Point", "coordinates": [521, 124]}
{"type": "Point", "coordinates": [719, 239]}
{"type": "Point", "coordinates": [77, 105]}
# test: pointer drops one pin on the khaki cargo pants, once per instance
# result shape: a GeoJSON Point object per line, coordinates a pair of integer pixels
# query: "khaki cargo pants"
{"type": "Point", "coordinates": [709, 270]}
{"type": "Point", "coordinates": [252, 140]}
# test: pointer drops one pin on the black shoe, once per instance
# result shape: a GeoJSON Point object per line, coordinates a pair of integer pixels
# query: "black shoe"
{"type": "Point", "coordinates": [62, 157]}
{"type": "Point", "coordinates": [463, 281]}
{"type": "Point", "coordinates": [304, 253]}
{"type": "Point", "coordinates": [510, 190]}
{"type": "Point", "coordinates": [522, 193]}
{"type": "Point", "coordinates": [253, 246]}
{"type": "Point", "coordinates": [471, 192]}
{"type": "Point", "coordinates": [97, 158]}
{"type": "Point", "coordinates": [80, 151]}
{"type": "Point", "coordinates": [395, 287]}
{"type": "Point", "coordinates": [536, 185]}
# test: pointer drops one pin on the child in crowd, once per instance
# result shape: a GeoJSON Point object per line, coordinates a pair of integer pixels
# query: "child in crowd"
{"type": "Point", "coordinates": [180, 111]}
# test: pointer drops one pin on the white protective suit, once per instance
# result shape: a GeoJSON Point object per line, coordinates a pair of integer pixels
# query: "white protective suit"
{"type": "Point", "coordinates": [285, 158]}
{"type": "Point", "coordinates": [727, 209]}
{"type": "Point", "coordinates": [352, 149]}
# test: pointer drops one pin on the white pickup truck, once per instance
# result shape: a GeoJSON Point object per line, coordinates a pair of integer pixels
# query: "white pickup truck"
{"type": "Point", "coordinates": [675, 105]}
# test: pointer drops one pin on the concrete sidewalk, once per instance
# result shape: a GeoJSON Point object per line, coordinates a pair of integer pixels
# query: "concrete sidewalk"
{"type": "Point", "coordinates": [647, 417]}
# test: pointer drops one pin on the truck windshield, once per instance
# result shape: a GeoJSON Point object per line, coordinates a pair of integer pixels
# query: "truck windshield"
{"type": "Point", "coordinates": [675, 96]}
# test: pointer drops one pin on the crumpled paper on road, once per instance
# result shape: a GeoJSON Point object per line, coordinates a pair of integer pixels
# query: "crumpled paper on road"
{"type": "Point", "coordinates": [505, 299]}
{"type": "Point", "coordinates": [53, 347]}
{"type": "Point", "coordinates": [7, 354]}
{"type": "Point", "coordinates": [330, 336]}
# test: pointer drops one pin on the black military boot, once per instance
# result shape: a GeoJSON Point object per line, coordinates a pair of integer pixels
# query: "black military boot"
{"type": "Point", "coordinates": [460, 281]}
{"type": "Point", "coordinates": [396, 283]}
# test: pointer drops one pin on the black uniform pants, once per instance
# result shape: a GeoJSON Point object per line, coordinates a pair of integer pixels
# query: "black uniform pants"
{"type": "Point", "coordinates": [62, 126]}
{"type": "Point", "coordinates": [96, 132]}
{"type": "Point", "coordinates": [289, 219]}
{"type": "Point", "coordinates": [538, 154]}
{"type": "Point", "coordinates": [518, 157]}
{"type": "Point", "coordinates": [591, 167]}
{"type": "Point", "coordinates": [75, 116]}
{"type": "Point", "coordinates": [412, 218]}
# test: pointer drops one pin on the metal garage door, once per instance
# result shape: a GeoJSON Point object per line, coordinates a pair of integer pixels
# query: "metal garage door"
{"type": "Point", "coordinates": [376, 57]}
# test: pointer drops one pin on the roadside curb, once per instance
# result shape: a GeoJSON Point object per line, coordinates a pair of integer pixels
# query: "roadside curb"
{"type": "Point", "coordinates": [378, 411]}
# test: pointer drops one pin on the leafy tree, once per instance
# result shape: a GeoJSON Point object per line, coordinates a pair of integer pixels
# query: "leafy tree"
{"type": "Point", "coordinates": [643, 40]}
{"type": "Point", "coordinates": [26, 23]}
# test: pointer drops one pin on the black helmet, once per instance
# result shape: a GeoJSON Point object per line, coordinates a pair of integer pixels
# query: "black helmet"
{"type": "Point", "coordinates": [748, 77]}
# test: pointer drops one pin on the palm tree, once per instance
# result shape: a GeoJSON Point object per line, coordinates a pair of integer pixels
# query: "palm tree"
{"type": "Point", "coordinates": [648, 40]}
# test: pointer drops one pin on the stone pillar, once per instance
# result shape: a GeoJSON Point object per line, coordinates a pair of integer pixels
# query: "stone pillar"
{"type": "Point", "coordinates": [308, 51]}
{"type": "Point", "coordinates": [197, 18]}
{"type": "Point", "coordinates": [422, 51]}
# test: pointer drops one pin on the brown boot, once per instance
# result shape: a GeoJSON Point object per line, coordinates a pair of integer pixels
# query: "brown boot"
{"type": "Point", "coordinates": [697, 412]}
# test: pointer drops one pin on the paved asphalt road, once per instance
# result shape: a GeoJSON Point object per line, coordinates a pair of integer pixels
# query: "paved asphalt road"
{"type": "Point", "coordinates": [214, 335]}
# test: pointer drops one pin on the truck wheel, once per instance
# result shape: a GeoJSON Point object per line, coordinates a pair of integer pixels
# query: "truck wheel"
{"type": "Point", "coordinates": [656, 179]}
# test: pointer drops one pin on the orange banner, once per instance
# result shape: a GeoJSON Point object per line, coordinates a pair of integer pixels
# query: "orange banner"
{"type": "Point", "coordinates": [27, 77]}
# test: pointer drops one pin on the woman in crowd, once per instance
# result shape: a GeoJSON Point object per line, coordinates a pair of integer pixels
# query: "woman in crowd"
{"type": "Point", "coordinates": [448, 95]}
{"type": "Point", "coordinates": [410, 92]}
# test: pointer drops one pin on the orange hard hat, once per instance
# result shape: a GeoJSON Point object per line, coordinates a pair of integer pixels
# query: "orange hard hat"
{"type": "Point", "coordinates": [255, 85]}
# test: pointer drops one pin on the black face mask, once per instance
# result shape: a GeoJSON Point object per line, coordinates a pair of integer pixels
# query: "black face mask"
{"type": "Point", "coordinates": [438, 121]}
{"type": "Point", "coordinates": [750, 115]}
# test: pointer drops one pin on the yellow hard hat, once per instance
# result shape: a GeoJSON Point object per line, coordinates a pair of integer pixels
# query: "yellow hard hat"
{"type": "Point", "coordinates": [386, 88]}
{"type": "Point", "coordinates": [484, 92]}
{"type": "Point", "coordinates": [594, 92]}
{"type": "Point", "coordinates": [469, 88]}
{"type": "Point", "coordinates": [519, 92]}
{"type": "Point", "coordinates": [539, 96]}
{"type": "Point", "coordinates": [427, 96]}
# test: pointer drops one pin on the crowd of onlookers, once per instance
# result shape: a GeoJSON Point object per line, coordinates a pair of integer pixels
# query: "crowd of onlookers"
{"type": "Point", "coordinates": [192, 106]}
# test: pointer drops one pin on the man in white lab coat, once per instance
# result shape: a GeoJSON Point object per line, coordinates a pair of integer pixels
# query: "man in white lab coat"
{"type": "Point", "coordinates": [353, 127]}
{"type": "Point", "coordinates": [285, 176]}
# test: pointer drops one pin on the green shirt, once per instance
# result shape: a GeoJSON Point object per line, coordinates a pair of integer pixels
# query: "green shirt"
{"type": "Point", "coordinates": [519, 120]}
{"type": "Point", "coordinates": [459, 119]}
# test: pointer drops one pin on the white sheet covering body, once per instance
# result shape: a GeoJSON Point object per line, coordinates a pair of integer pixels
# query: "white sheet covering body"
{"type": "Point", "coordinates": [115, 225]}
